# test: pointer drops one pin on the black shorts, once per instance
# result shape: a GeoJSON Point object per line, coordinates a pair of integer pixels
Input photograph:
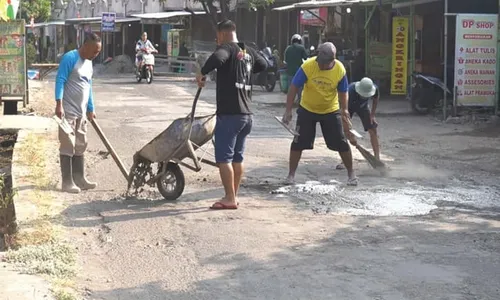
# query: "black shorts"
{"type": "Point", "coordinates": [331, 127]}
{"type": "Point", "coordinates": [363, 111]}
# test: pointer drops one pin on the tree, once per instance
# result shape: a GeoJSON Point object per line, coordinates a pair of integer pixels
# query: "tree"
{"type": "Point", "coordinates": [212, 7]}
{"type": "Point", "coordinates": [38, 9]}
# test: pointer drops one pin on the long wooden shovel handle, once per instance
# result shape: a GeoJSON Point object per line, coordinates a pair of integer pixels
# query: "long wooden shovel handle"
{"type": "Point", "coordinates": [110, 148]}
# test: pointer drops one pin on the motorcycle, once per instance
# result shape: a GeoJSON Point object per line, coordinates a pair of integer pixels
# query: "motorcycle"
{"type": "Point", "coordinates": [426, 93]}
{"type": "Point", "coordinates": [267, 79]}
{"type": "Point", "coordinates": [147, 65]}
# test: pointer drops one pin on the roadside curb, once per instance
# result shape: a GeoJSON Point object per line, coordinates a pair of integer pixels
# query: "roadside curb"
{"type": "Point", "coordinates": [25, 210]}
{"type": "Point", "coordinates": [396, 114]}
{"type": "Point", "coordinates": [21, 286]}
{"type": "Point", "coordinates": [174, 75]}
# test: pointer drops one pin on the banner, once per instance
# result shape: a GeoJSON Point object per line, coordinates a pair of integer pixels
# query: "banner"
{"type": "Point", "coordinates": [311, 19]}
{"type": "Point", "coordinates": [8, 9]}
{"type": "Point", "coordinates": [399, 72]}
{"type": "Point", "coordinates": [12, 59]}
{"type": "Point", "coordinates": [476, 60]}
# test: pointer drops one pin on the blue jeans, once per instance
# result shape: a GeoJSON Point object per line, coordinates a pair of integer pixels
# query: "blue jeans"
{"type": "Point", "coordinates": [231, 132]}
{"type": "Point", "coordinates": [299, 93]}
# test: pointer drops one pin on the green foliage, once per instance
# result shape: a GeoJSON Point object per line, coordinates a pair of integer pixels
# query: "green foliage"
{"type": "Point", "coordinates": [259, 3]}
{"type": "Point", "coordinates": [6, 197]}
{"type": "Point", "coordinates": [54, 259]}
{"type": "Point", "coordinates": [210, 8]}
{"type": "Point", "coordinates": [38, 9]}
{"type": "Point", "coordinates": [30, 52]}
{"type": "Point", "coordinates": [63, 295]}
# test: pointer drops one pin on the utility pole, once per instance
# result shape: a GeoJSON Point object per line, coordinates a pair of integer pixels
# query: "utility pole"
{"type": "Point", "coordinates": [143, 2]}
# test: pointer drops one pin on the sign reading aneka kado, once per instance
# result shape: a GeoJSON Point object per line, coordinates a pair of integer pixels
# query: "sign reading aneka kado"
{"type": "Point", "coordinates": [476, 59]}
{"type": "Point", "coordinates": [399, 72]}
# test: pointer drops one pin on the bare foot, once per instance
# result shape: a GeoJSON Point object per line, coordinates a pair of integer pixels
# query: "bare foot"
{"type": "Point", "coordinates": [290, 180]}
{"type": "Point", "coordinates": [340, 166]}
{"type": "Point", "coordinates": [224, 200]}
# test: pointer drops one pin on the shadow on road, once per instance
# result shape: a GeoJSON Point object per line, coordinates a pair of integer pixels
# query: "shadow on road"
{"type": "Point", "coordinates": [448, 256]}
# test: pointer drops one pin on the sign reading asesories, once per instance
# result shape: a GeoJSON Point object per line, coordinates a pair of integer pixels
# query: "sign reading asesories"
{"type": "Point", "coordinates": [476, 59]}
{"type": "Point", "coordinates": [399, 72]}
{"type": "Point", "coordinates": [108, 22]}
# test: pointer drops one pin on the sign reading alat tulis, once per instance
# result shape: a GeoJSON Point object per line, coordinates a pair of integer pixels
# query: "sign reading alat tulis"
{"type": "Point", "coordinates": [399, 72]}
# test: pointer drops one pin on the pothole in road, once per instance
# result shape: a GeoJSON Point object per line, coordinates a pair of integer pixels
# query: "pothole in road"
{"type": "Point", "coordinates": [409, 199]}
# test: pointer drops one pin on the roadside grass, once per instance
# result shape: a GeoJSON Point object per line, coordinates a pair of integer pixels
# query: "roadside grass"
{"type": "Point", "coordinates": [39, 247]}
{"type": "Point", "coordinates": [64, 295]}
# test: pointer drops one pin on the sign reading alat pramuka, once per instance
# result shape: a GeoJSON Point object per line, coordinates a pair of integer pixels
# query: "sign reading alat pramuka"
{"type": "Point", "coordinates": [476, 60]}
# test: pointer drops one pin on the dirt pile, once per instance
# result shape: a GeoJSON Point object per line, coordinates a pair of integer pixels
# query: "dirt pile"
{"type": "Point", "coordinates": [121, 64]}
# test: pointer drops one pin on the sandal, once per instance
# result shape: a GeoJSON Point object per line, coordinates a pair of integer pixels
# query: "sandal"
{"type": "Point", "coordinates": [221, 206]}
{"type": "Point", "coordinates": [352, 181]}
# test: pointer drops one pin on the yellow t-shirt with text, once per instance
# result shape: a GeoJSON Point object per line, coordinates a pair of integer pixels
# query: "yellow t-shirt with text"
{"type": "Point", "coordinates": [320, 94]}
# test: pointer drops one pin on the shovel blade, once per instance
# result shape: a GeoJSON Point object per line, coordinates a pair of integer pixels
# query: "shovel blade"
{"type": "Point", "coordinates": [371, 159]}
{"type": "Point", "coordinates": [289, 129]}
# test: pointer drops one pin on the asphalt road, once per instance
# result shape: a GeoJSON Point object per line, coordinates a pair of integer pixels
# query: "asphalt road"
{"type": "Point", "coordinates": [428, 231]}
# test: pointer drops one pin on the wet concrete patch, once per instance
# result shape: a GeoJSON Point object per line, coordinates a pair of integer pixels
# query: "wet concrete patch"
{"type": "Point", "coordinates": [408, 199]}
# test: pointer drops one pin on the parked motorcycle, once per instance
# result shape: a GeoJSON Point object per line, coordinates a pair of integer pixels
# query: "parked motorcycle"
{"type": "Point", "coordinates": [147, 68]}
{"type": "Point", "coordinates": [266, 79]}
{"type": "Point", "coordinates": [426, 93]}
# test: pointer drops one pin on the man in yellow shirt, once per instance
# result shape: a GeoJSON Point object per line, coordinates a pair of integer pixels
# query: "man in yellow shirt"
{"type": "Point", "coordinates": [324, 100]}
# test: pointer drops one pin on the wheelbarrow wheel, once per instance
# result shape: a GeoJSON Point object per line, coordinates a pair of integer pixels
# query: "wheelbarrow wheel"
{"type": "Point", "coordinates": [171, 184]}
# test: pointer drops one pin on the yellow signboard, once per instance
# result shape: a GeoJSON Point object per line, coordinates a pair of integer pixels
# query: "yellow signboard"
{"type": "Point", "coordinates": [399, 72]}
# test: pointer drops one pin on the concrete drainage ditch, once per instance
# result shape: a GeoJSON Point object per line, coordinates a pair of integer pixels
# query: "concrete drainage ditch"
{"type": "Point", "coordinates": [8, 224]}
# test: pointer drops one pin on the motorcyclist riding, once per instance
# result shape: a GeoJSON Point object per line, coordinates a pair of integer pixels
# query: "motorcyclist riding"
{"type": "Point", "coordinates": [143, 46]}
{"type": "Point", "coordinates": [295, 55]}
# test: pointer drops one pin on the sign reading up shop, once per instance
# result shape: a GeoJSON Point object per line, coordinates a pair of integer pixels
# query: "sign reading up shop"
{"type": "Point", "coordinates": [108, 22]}
{"type": "Point", "coordinates": [476, 59]}
{"type": "Point", "coordinates": [399, 71]}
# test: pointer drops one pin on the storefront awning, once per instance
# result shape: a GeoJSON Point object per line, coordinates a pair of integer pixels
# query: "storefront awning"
{"type": "Point", "coordinates": [52, 23]}
{"type": "Point", "coordinates": [96, 20]}
{"type": "Point", "coordinates": [325, 3]}
{"type": "Point", "coordinates": [166, 15]}
{"type": "Point", "coordinates": [412, 2]}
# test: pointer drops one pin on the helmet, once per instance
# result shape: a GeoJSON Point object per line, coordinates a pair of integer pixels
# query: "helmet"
{"type": "Point", "coordinates": [296, 38]}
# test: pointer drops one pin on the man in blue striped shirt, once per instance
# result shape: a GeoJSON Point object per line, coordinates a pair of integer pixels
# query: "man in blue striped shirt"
{"type": "Point", "coordinates": [75, 106]}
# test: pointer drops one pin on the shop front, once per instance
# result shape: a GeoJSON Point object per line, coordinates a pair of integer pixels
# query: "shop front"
{"type": "Point", "coordinates": [337, 21]}
{"type": "Point", "coordinates": [113, 43]}
{"type": "Point", "coordinates": [47, 39]}
{"type": "Point", "coordinates": [171, 29]}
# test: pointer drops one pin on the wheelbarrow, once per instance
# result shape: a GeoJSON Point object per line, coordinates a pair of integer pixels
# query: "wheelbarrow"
{"type": "Point", "coordinates": [158, 162]}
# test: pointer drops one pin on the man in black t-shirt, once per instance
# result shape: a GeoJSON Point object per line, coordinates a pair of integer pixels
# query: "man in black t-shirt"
{"type": "Point", "coordinates": [360, 94]}
{"type": "Point", "coordinates": [235, 64]}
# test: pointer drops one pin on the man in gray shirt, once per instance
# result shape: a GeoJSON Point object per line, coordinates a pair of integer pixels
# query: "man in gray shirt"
{"type": "Point", "coordinates": [75, 106]}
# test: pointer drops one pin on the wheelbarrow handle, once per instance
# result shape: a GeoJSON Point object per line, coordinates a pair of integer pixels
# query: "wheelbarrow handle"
{"type": "Point", "coordinates": [195, 102]}
{"type": "Point", "coordinates": [110, 148]}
